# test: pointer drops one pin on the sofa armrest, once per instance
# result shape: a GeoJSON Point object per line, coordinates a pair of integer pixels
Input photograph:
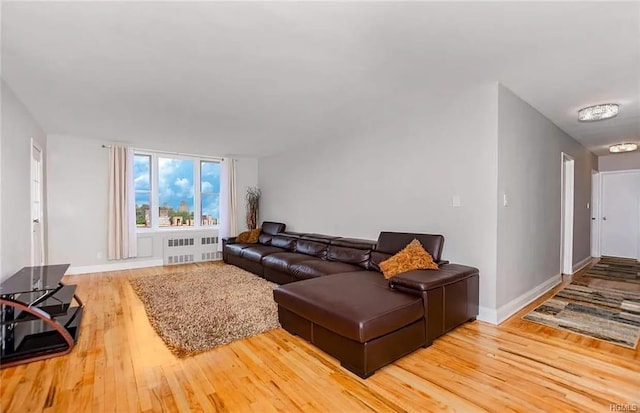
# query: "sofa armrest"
{"type": "Point", "coordinates": [425, 280]}
{"type": "Point", "coordinates": [228, 240]}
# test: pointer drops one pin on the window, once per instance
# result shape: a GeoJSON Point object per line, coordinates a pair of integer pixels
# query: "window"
{"type": "Point", "coordinates": [142, 184]}
{"type": "Point", "coordinates": [210, 192]}
{"type": "Point", "coordinates": [176, 191]}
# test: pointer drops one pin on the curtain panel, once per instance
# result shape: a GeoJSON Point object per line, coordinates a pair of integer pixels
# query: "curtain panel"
{"type": "Point", "coordinates": [121, 221]}
{"type": "Point", "coordinates": [228, 202]}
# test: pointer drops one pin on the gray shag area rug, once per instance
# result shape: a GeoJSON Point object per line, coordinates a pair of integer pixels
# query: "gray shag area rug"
{"type": "Point", "coordinates": [200, 309]}
{"type": "Point", "coordinates": [607, 314]}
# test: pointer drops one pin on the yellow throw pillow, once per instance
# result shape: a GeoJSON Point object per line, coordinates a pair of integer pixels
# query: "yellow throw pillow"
{"type": "Point", "coordinates": [412, 257]}
{"type": "Point", "coordinates": [248, 237]}
{"type": "Point", "coordinates": [243, 237]}
{"type": "Point", "coordinates": [253, 236]}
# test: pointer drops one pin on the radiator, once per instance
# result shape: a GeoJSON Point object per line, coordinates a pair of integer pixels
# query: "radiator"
{"type": "Point", "coordinates": [194, 246]}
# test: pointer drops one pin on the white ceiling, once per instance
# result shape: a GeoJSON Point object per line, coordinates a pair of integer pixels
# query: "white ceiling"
{"type": "Point", "coordinates": [252, 78]}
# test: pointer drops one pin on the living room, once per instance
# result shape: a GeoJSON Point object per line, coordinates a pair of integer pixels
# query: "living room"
{"type": "Point", "coordinates": [352, 119]}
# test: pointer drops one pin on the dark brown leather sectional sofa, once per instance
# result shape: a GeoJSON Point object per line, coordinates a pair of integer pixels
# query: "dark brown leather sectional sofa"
{"type": "Point", "coordinates": [333, 294]}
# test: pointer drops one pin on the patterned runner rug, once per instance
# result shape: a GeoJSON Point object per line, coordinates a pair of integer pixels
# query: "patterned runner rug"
{"type": "Point", "coordinates": [619, 269]}
{"type": "Point", "coordinates": [607, 314]}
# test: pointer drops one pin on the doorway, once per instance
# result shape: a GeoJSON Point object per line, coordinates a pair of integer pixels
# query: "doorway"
{"type": "Point", "coordinates": [37, 216]}
{"type": "Point", "coordinates": [595, 214]}
{"type": "Point", "coordinates": [620, 223]}
{"type": "Point", "coordinates": [566, 244]}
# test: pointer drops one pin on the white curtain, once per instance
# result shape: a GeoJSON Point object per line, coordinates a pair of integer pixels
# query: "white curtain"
{"type": "Point", "coordinates": [228, 202]}
{"type": "Point", "coordinates": [122, 210]}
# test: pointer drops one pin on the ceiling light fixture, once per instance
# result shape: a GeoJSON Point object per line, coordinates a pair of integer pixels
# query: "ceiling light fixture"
{"type": "Point", "coordinates": [598, 112]}
{"type": "Point", "coordinates": [623, 147]}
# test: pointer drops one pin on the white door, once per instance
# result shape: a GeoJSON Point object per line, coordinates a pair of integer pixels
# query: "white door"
{"type": "Point", "coordinates": [620, 224]}
{"type": "Point", "coordinates": [37, 239]}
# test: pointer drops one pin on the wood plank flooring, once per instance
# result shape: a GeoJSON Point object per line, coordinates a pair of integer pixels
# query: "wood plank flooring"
{"type": "Point", "coordinates": [121, 365]}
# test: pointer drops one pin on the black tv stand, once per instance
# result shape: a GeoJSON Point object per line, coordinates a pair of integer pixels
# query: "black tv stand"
{"type": "Point", "coordinates": [39, 315]}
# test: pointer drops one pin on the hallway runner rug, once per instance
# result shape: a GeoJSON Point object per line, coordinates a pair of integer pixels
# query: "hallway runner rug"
{"type": "Point", "coordinates": [611, 315]}
{"type": "Point", "coordinates": [616, 269]}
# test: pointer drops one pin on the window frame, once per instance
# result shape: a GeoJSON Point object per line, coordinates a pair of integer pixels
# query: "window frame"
{"type": "Point", "coordinates": [154, 200]}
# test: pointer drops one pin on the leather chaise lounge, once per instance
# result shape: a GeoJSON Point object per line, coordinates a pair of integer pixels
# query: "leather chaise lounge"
{"type": "Point", "coordinates": [333, 294]}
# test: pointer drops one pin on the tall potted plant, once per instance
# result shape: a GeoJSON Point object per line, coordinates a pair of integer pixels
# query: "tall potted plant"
{"type": "Point", "coordinates": [253, 203]}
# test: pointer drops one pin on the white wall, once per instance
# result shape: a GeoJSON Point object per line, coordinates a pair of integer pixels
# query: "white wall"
{"type": "Point", "coordinates": [18, 127]}
{"type": "Point", "coordinates": [400, 176]}
{"type": "Point", "coordinates": [529, 173]}
{"type": "Point", "coordinates": [78, 190]}
{"type": "Point", "coordinates": [619, 162]}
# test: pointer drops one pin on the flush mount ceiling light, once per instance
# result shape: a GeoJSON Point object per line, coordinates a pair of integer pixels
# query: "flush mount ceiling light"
{"type": "Point", "coordinates": [598, 112]}
{"type": "Point", "coordinates": [623, 147]}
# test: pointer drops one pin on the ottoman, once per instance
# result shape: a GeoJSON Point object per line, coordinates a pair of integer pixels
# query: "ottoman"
{"type": "Point", "coordinates": [355, 317]}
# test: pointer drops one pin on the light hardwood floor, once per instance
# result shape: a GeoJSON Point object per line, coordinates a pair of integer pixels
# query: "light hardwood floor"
{"type": "Point", "coordinates": [121, 365]}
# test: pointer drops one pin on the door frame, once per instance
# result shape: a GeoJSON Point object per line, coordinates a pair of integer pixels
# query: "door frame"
{"type": "Point", "coordinates": [567, 188]}
{"type": "Point", "coordinates": [35, 145]}
{"type": "Point", "coordinates": [601, 202]}
{"type": "Point", "coordinates": [596, 201]}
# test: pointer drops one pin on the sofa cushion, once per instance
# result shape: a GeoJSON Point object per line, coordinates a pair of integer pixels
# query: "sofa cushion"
{"type": "Point", "coordinates": [349, 255]}
{"type": "Point", "coordinates": [257, 252]}
{"type": "Point", "coordinates": [317, 268]}
{"type": "Point", "coordinates": [293, 234]}
{"type": "Point", "coordinates": [272, 228]}
{"type": "Point", "coordinates": [376, 258]}
{"type": "Point", "coordinates": [235, 249]}
{"type": "Point", "coordinates": [363, 244]}
{"type": "Point", "coordinates": [281, 241]}
{"type": "Point", "coordinates": [281, 261]}
{"type": "Point", "coordinates": [265, 239]}
{"type": "Point", "coordinates": [412, 257]}
{"type": "Point", "coordinates": [320, 237]}
{"type": "Point", "coordinates": [313, 248]}
{"type": "Point", "coordinates": [392, 242]}
{"type": "Point", "coordinates": [357, 305]}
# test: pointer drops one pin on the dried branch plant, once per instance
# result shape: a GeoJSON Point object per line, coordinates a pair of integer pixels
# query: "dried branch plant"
{"type": "Point", "coordinates": [253, 204]}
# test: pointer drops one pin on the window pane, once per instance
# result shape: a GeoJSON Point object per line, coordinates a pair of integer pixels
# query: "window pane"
{"type": "Point", "coordinates": [175, 192]}
{"type": "Point", "coordinates": [210, 177]}
{"type": "Point", "coordinates": [143, 219]}
{"type": "Point", "coordinates": [210, 209]}
{"type": "Point", "coordinates": [210, 196]}
{"type": "Point", "coordinates": [142, 172]}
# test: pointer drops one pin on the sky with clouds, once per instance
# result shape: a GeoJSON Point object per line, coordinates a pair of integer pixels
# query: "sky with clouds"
{"type": "Point", "coordinates": [176, 183]}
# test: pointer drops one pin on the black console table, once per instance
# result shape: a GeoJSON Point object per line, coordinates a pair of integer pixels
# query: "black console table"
{"type": "Point", "coordinates": [39, 315]}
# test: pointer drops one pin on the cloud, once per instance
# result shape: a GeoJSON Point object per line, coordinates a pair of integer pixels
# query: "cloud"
{"type": "Point", "coordinates": [207, 187]}
{"type": "Point", "coordinates": [142, 182]}
{"type": "Point", "coordinates": [176, 182]}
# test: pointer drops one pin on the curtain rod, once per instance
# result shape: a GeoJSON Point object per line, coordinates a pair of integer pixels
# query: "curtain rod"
{"type": "Point", "coordinates": [171, 153]}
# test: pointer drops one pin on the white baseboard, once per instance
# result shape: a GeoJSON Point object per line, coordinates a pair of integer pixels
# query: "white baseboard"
{"type": "Point", "coordinates": [497, 316]}
{"type": "Point", "coordinates": [522, 301]}
{"type": "Point", "coordinates": [580, 265]}
{"type": "Point", "coordinates": [488, 315]}
{"type": "Point", "coordinates": [116, 266]}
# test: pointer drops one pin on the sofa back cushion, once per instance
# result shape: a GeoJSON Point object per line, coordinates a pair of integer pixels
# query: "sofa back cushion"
{"type": "Point", "coordinates": [283, 241]}
{"type": "Point", "coordinates": [362, 244]}
{"type": "Point", "coordinates": [313, 248]}
{"type": "Point", "coordinates": [376, 258]}
{"type": "Point", "coordinates": [392, 242]}
{"type": "Point", "coordinates": [349, 255]}
{"type": "Point", "coordinates": [265, 239]}
{"type": "Point", "coordinates": [272, 228]}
